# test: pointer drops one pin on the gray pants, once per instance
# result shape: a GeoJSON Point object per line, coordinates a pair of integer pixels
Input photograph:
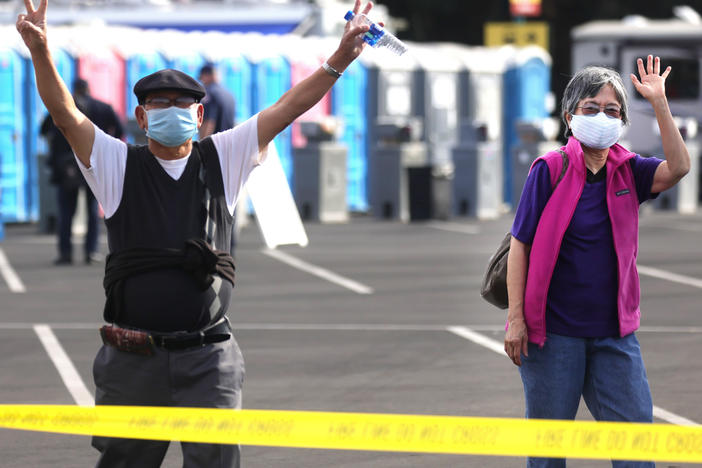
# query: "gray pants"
{"type": "Point", "coordinates": [207, 377]}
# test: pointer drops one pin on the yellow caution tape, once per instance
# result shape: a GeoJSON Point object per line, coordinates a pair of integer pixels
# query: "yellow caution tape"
{"type": "Point", "coordinates": [357, 431]}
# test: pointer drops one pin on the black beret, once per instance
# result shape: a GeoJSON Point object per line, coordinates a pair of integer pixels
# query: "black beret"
{"type": "Point", "coordinates": [168, 79]}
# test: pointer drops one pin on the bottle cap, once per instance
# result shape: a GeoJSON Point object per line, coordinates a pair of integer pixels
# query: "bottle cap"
{"type": "Point", "coordinates": [376, 30]}
{"type": "Point", "coordinates": [349, 15]}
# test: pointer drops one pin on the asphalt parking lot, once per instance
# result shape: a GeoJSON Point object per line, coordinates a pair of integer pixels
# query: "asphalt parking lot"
{"type": "Point", "coordinates": [373, 333]}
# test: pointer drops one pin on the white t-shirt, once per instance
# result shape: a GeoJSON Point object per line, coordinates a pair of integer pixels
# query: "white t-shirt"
{"type": "Point", "coordinates": [237, 149]}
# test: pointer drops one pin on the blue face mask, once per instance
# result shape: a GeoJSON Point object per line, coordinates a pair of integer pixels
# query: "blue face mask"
{"type": "Point", "coordinates": [172, 126]}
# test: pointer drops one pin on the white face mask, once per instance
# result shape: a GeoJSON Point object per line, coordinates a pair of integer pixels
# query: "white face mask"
{"type": "Point", "coordinates": [596, 131]}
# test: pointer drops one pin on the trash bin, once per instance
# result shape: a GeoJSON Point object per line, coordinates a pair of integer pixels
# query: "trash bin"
{"type": "Point", "coordinates": [436, 93]}
{"type": "Point", "coordinates": [477, 181]}
{"type": "Point", "coordinates": [684, 196]}
{"type": "Point", "coordinates": [536, 138]}
{"type": "Point", "coordinates": [401, 183]}
{"type": "Point", "coordinates": [320, 173]}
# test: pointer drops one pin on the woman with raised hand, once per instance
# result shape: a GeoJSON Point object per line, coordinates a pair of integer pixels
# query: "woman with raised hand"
{"type": "Point", "coordinates": [572, 282]}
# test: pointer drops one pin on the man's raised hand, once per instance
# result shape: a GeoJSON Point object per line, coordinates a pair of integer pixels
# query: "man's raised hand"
{"type": "Point", "coordinates": [32, 25]}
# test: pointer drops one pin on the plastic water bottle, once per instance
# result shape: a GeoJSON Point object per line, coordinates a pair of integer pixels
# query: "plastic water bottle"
{"type": "Point", "coordinates": [376, 36]}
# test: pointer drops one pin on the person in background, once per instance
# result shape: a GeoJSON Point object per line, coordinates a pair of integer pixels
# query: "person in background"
{"type": "Point", "coordinates": [66, 175]}
{"type": "Point", "coordinates": [169, 213]}
{"type": "Point", "coordinates": [572, 282]}
{"type": "Point", "coordinates": [218, 104]}
{"type": "Point", "coordinates": [219, 113]}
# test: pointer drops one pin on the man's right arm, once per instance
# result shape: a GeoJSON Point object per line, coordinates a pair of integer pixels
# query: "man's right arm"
{"type": "Point", "coordinates": [75, 126]}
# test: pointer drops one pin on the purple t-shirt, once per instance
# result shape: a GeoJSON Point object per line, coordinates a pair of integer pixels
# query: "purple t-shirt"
{"type": "Point", "coordinates": [582, 296]}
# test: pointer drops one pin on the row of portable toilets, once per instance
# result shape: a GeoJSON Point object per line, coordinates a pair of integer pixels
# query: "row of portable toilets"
{"type": "Point", "coordinates": [441, 86]}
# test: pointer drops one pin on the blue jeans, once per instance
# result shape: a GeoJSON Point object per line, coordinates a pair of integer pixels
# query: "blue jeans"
{"type": "Point", "coordinates": [608, 372]}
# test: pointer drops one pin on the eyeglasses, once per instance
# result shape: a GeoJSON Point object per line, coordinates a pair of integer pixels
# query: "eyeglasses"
{"type": "Point", "coordinates": [592, 109]}
{"type": "Point", "coordinates": [163, 102]}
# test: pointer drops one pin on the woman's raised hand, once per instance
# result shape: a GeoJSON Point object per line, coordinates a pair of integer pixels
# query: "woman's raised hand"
{"type": "Point", "coordinates": [652, 83]}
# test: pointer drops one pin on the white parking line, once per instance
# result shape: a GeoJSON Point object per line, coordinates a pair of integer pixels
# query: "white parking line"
{"type": "Point", "coordinates": [672, 418]}
{"type": "Point", "coordinates": [11, 278]}
{"type": "Point", "coordinates": [319, 271]}
{"type": "Point", "coordinates": [498, 347]}
{"type": "Point", "coordinates": [477, 338]}
{"type": "Point", "coordinates": [667, 275]}
{"type": "Point", "coordinates": [64, 366]}
{"type": "Point", "coordinates": [455, 227]}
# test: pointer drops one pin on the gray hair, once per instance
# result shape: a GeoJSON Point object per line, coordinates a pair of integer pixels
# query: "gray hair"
{"type": "Point", "coordinates": [586, 84]}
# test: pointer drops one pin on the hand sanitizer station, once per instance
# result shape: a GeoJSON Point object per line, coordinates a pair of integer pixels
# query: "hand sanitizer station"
{"type": "Point", "coordinates": [678, 42]}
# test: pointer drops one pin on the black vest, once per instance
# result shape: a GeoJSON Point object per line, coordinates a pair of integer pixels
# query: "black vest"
{"type": "Point", "coordinates": [157, 211]}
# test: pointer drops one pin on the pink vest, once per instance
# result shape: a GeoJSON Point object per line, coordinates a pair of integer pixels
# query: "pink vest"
{"type": "Point", "coordinates": [623, 207]}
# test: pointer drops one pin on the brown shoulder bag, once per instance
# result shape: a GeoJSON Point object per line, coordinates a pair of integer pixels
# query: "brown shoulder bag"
{"type": "Point", "coordinates": [494, 287]}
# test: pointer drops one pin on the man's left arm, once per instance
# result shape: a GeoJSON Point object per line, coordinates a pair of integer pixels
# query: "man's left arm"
{"type": "Point", "coordinates": [310, 91]}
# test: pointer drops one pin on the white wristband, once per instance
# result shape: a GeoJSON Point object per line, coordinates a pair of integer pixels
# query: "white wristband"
{"type": "Point", "coordinates": [331, 70]}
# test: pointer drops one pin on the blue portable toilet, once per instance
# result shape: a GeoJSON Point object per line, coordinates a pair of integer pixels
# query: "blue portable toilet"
{"type": "Point", "coordinates": [527, 82]}
{"type": "Point", "coordinates": [36, 112]}
{"type": "Point", "coordinates": [138, 62]}
{"type": "Point", "coordinates": [182, 53]}
{"type": "Point", "coordinates": [236, 72]}
{"type": "Point", "coordinates": [271, 72]}
{"type": "Point", "coordinates": [13, 206]}
{"type": "Point", "coordinates": [236, 75]}
{"type": "Point", "coordinates": [138, 65]}
{"type": "Point", "coordinates": [188, 62]}
{"type": "Point", "coordinates": [350, 103]}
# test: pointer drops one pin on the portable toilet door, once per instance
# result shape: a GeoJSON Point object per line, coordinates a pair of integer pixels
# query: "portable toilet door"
{"type": "Point", "coordinates": [236, 75]}
{"type": "Point", "coordinates": [527, 86]}
{"type": "Point", "coordinates": [350, 103]}
{"type": "Point", "coordinates": [104, 71]}
{"type": "Point", "coordinates": [437, 91]}
{"type": "Point", "coordinates": [12, 135]}
{"type": "Point", "coordinates": [35, 143]}
{"type": "Point", "coordinates": [138, 66]}
{"type": "Point", "coordinates": [272, 80]}
{"type": "Point", "coordinates": [188, 62]}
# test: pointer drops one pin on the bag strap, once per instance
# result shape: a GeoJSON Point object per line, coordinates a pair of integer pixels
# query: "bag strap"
{"type": "Point", "coordinates": [563, 169]}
